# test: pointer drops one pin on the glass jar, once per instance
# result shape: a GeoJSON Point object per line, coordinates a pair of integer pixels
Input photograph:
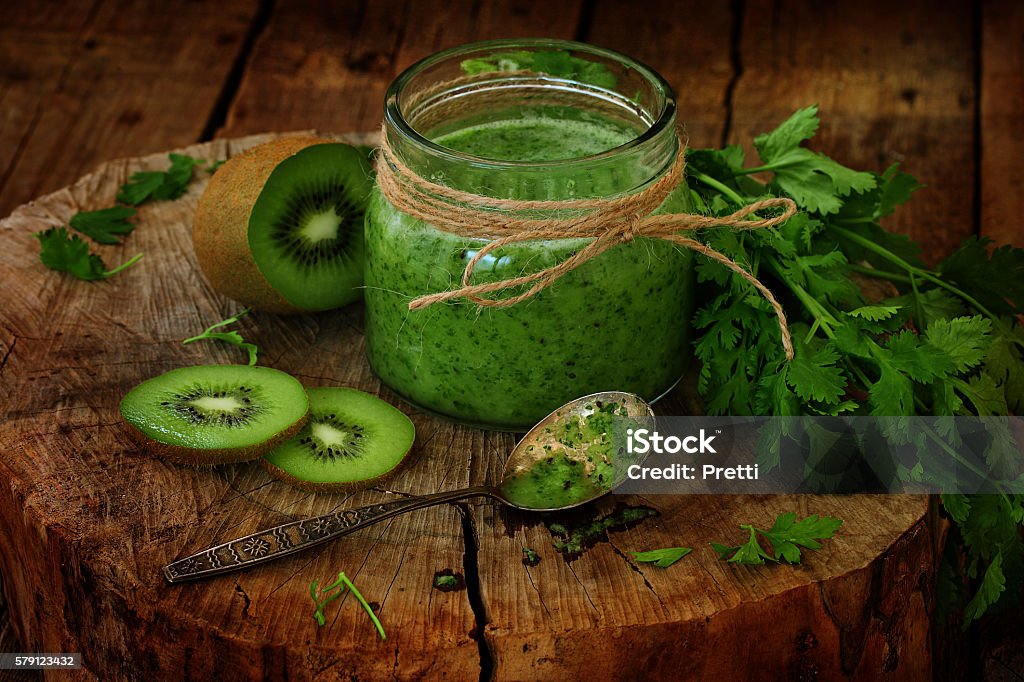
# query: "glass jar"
{"type": "Point", "coordinates": [527, 119]}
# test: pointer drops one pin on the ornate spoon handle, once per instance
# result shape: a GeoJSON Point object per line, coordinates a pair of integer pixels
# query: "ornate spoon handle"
{"type": "Point", "coordinates": [289, 538]}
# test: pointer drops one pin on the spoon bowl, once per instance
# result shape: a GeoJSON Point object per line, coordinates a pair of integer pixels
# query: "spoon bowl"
{"type": "Point", "coordinates": [569, 463]}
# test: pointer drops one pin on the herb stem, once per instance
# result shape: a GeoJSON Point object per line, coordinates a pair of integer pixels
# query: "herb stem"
{"type": "Point", "coordinates": [918, 308]}
{"type": "Point", "coordinates": [879, 274]}
{"type": "Point", "coordinates": [913, 270]}
{"type": "Point", "coordinates": [366, 606]}
{"type": "Point", "coordinates": [821, 316]}
{"type": "Point", "coordinates": [720, 186]}
{"type": "Point", "coordinates": [123, 266]}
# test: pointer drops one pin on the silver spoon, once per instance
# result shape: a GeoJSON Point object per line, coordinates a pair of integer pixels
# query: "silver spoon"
{"type": "Point", "coordinates": [528, 454]}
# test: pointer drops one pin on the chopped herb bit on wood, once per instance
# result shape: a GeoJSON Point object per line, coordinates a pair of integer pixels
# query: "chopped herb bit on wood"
{"type": "Point", "coordinates": [68, 253]}
{"type": "Point", "coordinates": [530, 556]}
{"type": "Point", "coordinates": [159, 185]}
{"type": "Point", "coordinates": [576, 540]}
{"type": "Point", "coordinates": [446, 581]}
{"type": "Point", "coordinates": [339, 586]}
{"type": "Point", "coordinates": [662, 558]}
{"type": "Point", "coordinates": [231, 337]}
{"type": "Point", "coordinates": [106, 225]}
{"type": "Point", "coordinates": [785, 537]}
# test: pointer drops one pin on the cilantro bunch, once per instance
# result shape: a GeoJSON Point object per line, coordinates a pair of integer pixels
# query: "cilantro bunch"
{"type": "Point", "coordinates": [943, 340]}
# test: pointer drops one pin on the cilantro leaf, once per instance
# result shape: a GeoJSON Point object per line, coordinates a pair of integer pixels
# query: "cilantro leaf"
{"type": "Point", "coordinates": [105, 225]}
{"type": "Point", "coordinates": [662, 558]}
{"type": "Point", "coordinates": [924, 362]}
{"type": "Point", "coordinates": [875, 313]}
{"type": "Point", "coordinates": [995, 279]}
{"type": "Point", "coordinates": [895, 189]}
{"type": "Point", "coordinates": [139, 187]}
{"type": "Point", "coordinates": [814, 376]}
{"type": "Point", "coordinates": [787, 535]}
{"type": "Point", "coordinates": [231, 337]}
{"type": "Point", "coordinates": [750, 552]}
{"type": "Point", "coordinates": [215, 165]}
{"type": "Point", "coordinates": [983, 393]}
{"type": "Point", "coordinates": [159, 185]}
{"type": "Point", "coordinates": [815, 181]}
{"type": "Point", "coordinates": [1005, 364]}
{"type": "Point", "coordinates": [68, 253]}
{"type": "Point", "coordinates": [992, 586]}
{"type": "Point", "coordinates": [963, 340]}
{"type": "Point", "coordinates": [802, 125]}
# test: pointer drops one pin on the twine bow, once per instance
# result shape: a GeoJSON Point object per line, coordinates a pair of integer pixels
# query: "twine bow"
{"type": "Point", "coordinates": [607, 222]}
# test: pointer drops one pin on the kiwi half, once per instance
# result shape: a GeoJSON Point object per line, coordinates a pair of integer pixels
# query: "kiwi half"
{"type": "Point", "coordinates": [280, 227]}
{"type": "Point", "coordinates": [352, 439]}
{"type": "Point", "coordinates": [215, 414]}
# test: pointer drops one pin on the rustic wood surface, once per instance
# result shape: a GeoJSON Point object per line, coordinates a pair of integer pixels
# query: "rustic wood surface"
{"type": "Point", "coordinates": [935, 88]}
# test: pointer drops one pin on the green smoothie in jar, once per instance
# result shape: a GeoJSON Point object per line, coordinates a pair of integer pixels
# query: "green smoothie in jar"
{"type": "Point", "coordinates": [621, 321]}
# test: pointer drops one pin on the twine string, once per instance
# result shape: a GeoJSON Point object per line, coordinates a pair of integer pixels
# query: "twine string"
{"type": "Point", "coordinates": [606, 222]}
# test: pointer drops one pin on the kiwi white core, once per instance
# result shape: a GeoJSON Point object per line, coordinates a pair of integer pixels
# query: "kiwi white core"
{"type": "Point", "coordinates": [322, 226]}
{"type": "Point", "coordinates": [213, 404]}
{"type": "Point", "coordinates": [330, 435]}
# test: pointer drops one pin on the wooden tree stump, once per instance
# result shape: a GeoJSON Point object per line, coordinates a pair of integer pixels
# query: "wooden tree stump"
{"type": "Point", "coordinates": [87, 519]}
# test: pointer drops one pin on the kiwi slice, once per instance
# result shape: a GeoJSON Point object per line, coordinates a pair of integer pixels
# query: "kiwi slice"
{"type": "Point", "coordinates": [352, 439]}
{"type": "Point", "coordinates": [215, 414]}
{"type": "Point", "coordinates": [306, 227]}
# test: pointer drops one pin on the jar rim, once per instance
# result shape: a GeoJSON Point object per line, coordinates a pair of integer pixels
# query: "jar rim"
{"type": "Point", "coordinates": [395, 117]}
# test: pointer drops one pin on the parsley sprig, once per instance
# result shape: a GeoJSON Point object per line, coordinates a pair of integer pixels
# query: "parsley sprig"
{"type": "Point", "coordinates": [339, 586]}
{"type": "Point", "coordinates": [786, 537]}
{"type": "Point", "coordinates": [68, 253]}
{"type": "Point", "coordinates": [232, 337]}
{"type": "Point", "coordinates": [946, 342]}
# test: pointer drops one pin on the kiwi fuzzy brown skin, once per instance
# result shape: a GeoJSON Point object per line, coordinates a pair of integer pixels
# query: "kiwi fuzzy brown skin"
{"type": "Point", "coordinates": [215, 457]}
{"type": "Point", "coordinates": [350, 486]}
{"type": "Point", "coordinates": [220, 229]}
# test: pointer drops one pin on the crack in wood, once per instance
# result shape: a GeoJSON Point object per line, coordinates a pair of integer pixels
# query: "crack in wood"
{"type": "Point", "coordinates": [736, 63]}
{"type": "Point", "coordinates": [474, 592]}
{"type": "Point", "coordinates": [222, 105]}
{"type": "Point", "coordinates": [636, 569]}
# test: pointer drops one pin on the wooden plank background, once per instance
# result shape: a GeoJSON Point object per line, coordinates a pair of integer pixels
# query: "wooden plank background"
{"type": "Point", "coordinates": [937, 87]}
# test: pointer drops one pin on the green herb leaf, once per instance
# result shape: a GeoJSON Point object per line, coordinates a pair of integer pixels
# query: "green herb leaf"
{"type": "Point", "coordinates": [814, 376]}
{"type": "Point", "coordinates": [995, 279]}
{"type": "Point", "coordinates": [787, 535]}
{"type": "Point", "coordinates": [813, 180]}
{"type": "Point", "coordinates": [992, 586]}
{"type": "Point", "coordinates": [963, 339]}
{"type": "Point", "coordinates": [751, 551]}
{"type": "Point", "coordinates": [662, 558]}
{"type": "Point", "coordinates": [159, 185]}
{"type": "Point", "coordinates": [231, 337]}
{"type": "Point", "coordinates": [68, 253]}
{"type": "Point", "coordinates": [104, 226]}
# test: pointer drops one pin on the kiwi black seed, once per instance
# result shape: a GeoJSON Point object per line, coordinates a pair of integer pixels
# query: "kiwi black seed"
{"type": "Point", "coordinates": [306, 227]}
{"type": "Point", "coordinates": [352, 440]}
{"type": "Point", "coordinates": [215, 414]}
